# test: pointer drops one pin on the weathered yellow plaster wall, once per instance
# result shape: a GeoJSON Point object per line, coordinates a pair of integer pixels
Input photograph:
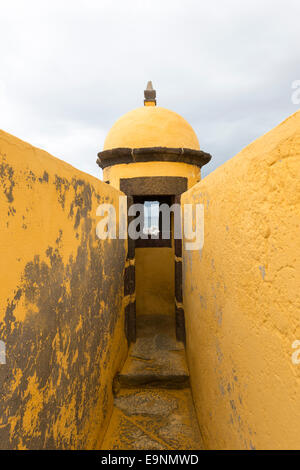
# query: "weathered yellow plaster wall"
{"type": "Point", "coordinates": [61, 303]}
{"type": "Point", "coordinates": [242, 297]}
{"type": "Point", "coordinates": [114, 173]}
{"type": "Point", "coordinates": [154, 273]}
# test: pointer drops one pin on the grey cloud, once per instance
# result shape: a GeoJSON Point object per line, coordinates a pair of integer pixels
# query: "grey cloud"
{"type": "Point", "coordinates": [70, 69]}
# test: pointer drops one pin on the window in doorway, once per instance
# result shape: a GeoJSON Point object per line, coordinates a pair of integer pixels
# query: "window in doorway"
{"type": "Point", "coordinates": [152, 222]}
{"type": "Point", "coordinates": [151, 218]}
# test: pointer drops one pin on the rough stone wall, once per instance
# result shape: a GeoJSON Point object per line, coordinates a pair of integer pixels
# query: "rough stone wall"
{"type": "Point", "coordinates": [242, 297]}
{"type": "Point", "coordinates": [61, 303]}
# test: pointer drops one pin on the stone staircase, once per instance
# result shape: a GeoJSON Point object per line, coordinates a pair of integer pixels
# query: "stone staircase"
{"type": "Point", "coordinates": [153, 406]}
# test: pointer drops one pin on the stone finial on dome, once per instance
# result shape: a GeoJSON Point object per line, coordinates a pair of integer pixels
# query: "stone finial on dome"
{"type": "Point", "coordinates": [150, 95]}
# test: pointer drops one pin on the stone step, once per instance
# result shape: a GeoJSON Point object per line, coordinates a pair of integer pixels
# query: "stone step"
{"type": "Point", "coordinates": [156, 419]}
{"type": "Point", "coordinates": [157, 359]}
{"type": "Point", "coordinates": [150, 379]}
{"type": "Point", "coordinates": [153, 406]}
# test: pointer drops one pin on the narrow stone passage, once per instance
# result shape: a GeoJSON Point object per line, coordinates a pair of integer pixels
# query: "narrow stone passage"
{"type": "Point", "coordinates": [153, 406]}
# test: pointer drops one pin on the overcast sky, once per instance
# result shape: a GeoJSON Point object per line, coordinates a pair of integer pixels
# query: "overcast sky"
{"type": "Point", "coordinates": [69, 69]}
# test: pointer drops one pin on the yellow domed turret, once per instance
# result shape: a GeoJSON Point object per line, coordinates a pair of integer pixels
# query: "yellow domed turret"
{"type": "Point", "coordinates": [151, 126]}
{"type": "Point", "coordinates": [152, 155]}
{"type": "Point", "coordinates": [151, 142]}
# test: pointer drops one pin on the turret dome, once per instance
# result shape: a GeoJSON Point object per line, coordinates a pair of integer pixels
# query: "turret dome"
{"type": "Point", "coordinates": [151, 126]}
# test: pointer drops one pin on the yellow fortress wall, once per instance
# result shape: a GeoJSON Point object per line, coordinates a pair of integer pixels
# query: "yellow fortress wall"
{"type": "Point", "coordinates": [242, 297]}
{"type": "Point", "coordinates": [61, 303]}
{"type": "Point", "coordinates": [155, 281]}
